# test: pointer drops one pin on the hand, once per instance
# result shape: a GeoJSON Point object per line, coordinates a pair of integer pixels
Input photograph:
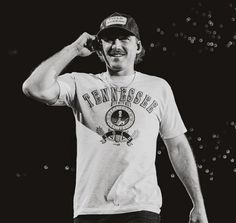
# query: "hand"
{"type": "Point", "coordinates": [198, 215]}
{"type": "Point", "coordinates": [81, 44]}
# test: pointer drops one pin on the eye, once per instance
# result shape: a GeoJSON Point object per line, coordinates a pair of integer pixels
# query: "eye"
{"type": "Point", "coordinates": [112, 38]}
{"type": "Point", "coordinates": [124, 37]}
{"type": "Point", "coordinates": [107, 39]}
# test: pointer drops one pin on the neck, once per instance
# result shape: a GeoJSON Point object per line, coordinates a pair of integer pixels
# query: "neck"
{"type": "Point", "coordinates": [126, 72]}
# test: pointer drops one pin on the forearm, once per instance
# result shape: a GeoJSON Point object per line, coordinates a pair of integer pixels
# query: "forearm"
{"type": "Point", "coordinates": [42, 83]}
{"type": "Point", "coordinates": [185, 167]}
{"type": "Point", "coordinates": [45, 75]}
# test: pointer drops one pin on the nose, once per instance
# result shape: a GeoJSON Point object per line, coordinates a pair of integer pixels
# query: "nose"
{"type": "Point", "coordinates": [116, 43]}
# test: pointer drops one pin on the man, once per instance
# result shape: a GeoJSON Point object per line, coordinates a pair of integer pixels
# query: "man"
{"type": "Point", "coordinates": [119, 114]}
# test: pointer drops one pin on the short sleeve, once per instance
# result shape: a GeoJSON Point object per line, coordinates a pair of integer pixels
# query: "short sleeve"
{"type": "Point", "coordinates": [67, 88]}
{"type": "Point", "coordinates": [171, 123]}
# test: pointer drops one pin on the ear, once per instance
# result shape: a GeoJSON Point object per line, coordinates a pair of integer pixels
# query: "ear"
{"type": "Point", "coordinates": [139, 46]}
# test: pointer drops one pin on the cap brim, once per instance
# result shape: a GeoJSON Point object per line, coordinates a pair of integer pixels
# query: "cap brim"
{"type": "Point", "coordinates": [112, 28]}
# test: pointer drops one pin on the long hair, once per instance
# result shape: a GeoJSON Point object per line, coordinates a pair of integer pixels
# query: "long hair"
{"type": "Point", "coordinates": [139, 57]}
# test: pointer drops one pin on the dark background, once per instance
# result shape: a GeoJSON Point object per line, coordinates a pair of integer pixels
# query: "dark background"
{"type": "Point", "coordinates": [189, 43]}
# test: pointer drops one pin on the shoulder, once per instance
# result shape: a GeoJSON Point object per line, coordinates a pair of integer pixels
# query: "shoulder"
{"type": "Point", "coordinates": [154, 80]}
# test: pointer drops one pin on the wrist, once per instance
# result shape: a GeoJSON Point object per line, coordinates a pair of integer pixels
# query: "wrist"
{"type": "Point", "coordinates": [199, 203]}
{"type": "Point", "coordinates": [71, 50]}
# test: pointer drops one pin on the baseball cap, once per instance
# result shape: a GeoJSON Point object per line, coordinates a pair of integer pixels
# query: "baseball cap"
{"type": "Point", "coordinates": [121, 21]}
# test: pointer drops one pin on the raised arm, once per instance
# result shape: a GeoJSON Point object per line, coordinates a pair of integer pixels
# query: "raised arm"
{"type": "Point", "coordinates": [42, 83]}
{"type": "Point", "coordinates": [183, 162]}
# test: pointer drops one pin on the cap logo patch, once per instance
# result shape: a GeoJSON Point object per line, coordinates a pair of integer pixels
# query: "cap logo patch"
{"type": "Point", "coordinates": [116, 20]}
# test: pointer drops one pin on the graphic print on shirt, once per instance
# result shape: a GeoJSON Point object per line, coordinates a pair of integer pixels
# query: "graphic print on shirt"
{"type": "Point", "coordinates": [120, 117]}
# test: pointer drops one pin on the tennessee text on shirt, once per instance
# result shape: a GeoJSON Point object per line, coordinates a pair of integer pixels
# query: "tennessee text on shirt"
{"type": "Point", "coordinates": [120, 96]}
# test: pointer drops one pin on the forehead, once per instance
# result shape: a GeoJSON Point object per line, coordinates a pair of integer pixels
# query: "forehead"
{"type": "Point", "coordinates": [114, 32]}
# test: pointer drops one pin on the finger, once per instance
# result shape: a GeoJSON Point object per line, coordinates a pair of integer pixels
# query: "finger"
{"type": "Point", "coordinates": [81, 44]}
{"type": "Point", "coordinates": [88, 36]}
{"type": "Point", "coordinates": [88, 40]}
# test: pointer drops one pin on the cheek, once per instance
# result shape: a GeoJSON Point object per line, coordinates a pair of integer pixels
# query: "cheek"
{"type": "Point", "coordinates": [132, 54]}
{"type": "Point", "coordinates": [106, 46]}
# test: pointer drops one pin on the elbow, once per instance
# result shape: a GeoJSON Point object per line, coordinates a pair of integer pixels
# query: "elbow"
{"type": "Point", "coordinates": [26, 88]}
{"type": "Point", "coordinates": [175, 151]}
{"type": "Point", "coordinates": [30, 90]}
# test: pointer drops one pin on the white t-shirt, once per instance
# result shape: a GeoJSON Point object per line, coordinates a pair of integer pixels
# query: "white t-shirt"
{"type": "Point", "coordinates": [116, 130]}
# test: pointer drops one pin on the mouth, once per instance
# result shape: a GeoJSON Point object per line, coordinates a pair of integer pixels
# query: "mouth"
{"type": "Point", "coordinates": [116, 54]}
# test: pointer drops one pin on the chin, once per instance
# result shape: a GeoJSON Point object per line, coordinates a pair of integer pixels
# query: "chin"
{"type": "Point", "coordinates": [119, 63]}
{"type": "Point", "coordinates": [116, 67]}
